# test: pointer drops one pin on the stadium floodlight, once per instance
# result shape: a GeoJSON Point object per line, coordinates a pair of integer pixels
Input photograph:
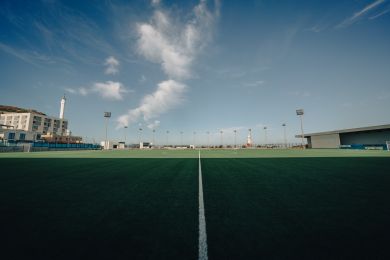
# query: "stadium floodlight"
{"type": "Point", "coordinates": [235, 138]}
{"type": "Point", "coordinates": [124, 130]}
{"type": "Point", "coordinates": [154, 137]}
{"type": "Point", "coordinates": [107, 115]}
{"type": "Point", "coordinates": [221, 138]}
{"type": "Point", "coordinates": [265, 136]}
{"type": "Point", "coordinates": [300, 113]}
{"type": "Point", "coordinates": [284, 135]}
{"type": "Point", "coordinates": [140, 137]}
{"type": "Point", "coordinates": [250, 137]}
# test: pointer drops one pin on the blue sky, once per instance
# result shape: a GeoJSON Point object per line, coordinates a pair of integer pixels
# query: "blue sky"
{"type": "Point", "coordinates": [199, 65]}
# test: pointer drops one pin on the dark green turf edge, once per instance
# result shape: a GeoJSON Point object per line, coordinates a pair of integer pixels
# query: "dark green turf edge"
{"type": "Point", "coordinates": [98, 208]}
{"type": "Point", "coordinates": [297, 208]}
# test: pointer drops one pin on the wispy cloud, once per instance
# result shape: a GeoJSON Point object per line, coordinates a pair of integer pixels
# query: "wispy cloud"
{"type": "Point", "coordinates": [142, 79]}
{"type": "Point", "coordinates": [154, 124]}
{"type": "Point", "coordinates": [358, 15]}
{"type": "Point", "coordinates": [33, 57]}
{"type": "Point", "coordinates": [257, 83]}
{"type": "Point", "coordinates": [380, 14]}
{"type": "Point", "coordinates": [112, 65]}
{"type": "Point", "coordinates": [78, 91]}
{"type": "Point", "coordinates": [168, 95]}
{"type": "Point", "coordinates": [107, 90]}
{"type": "Point", "coordinates": [174, 46]}
{"type": "Point", "coordinates": [155, 2]}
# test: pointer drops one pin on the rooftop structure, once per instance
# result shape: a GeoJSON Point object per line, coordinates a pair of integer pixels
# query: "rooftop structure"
{"type": "Point", "coordinates": [365, 136]}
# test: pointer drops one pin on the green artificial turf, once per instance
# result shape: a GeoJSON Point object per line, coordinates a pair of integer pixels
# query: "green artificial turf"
{"type": "Point", "coordinates": [205, 153]}
{"type": "Point", "coordinates": [297, 208]}
{"type": "Point", "coordinates": [132, 204]}
{"type": "Point", "coordinates": [98, 208]}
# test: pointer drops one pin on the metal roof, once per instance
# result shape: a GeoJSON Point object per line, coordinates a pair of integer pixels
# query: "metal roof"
{"type": "Point", "coordinates": [350, 130]}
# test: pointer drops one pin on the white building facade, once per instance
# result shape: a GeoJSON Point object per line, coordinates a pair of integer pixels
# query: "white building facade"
{"type": "Point", "coordinates": [34, 122]}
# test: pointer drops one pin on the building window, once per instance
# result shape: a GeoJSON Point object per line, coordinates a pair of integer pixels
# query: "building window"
{"type": "Point", "coordinates": [11, 136]}
{"type": "Point", "coordinates": [22, 136]}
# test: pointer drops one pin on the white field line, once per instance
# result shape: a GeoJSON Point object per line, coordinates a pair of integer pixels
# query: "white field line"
{"type": "Point", "coordinates": [202, 220]}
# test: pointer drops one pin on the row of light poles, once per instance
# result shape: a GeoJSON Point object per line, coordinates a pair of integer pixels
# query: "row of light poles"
{"type": "Point", "coordinates": [221, 132]}
{"type": "Point", "coordinates": [299, 112]}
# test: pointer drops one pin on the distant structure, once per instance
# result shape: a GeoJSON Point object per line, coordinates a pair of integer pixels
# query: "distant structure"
{"type": "Point", "coordinates": [62, 109]}
{"type": "Point", "coordinates": [371, 137]}
{"type": "Point", "coordinates": [19, 124]}
{"type": "Point", "coordinates": [249, 139]}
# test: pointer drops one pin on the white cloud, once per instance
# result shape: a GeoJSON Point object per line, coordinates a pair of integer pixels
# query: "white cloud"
{"type": "Point", "coordinates": [254, 84]}
{"type": "Point", "coordinates": [112, 66]}
{"type": "Point", "coordinates": [71, 90]}
{"type": "Point", "coordinates": [142, 79]}
{"type": "Point", "coordinates": [155, 2]}
{"type": "Point", "coordinates": [79, 91]}
{"type": "Point", "coordinates": [174, 46]}
{"type": "Point", "coordinates": [356, 16]}
{"type": "Point", "coordinates": [109, 90]}
{"type": "Point", "coordinates": [380, 14]}
{"type": "Point", "coordinates": [168, 95]}
{"type": "Point", "coordinates": [230, 130]}
{"type": "Point", "coordinates": [83, 91]}
{"type": "Point", "coordinates": [154, 124]}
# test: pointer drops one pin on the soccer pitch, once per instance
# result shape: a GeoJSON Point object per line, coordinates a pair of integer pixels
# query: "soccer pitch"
{"type": "Point", "coordinates": [144, 204]}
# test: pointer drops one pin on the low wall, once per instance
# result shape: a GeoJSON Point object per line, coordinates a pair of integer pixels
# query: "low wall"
{"type": "Point", "coordinates": [10, 149]}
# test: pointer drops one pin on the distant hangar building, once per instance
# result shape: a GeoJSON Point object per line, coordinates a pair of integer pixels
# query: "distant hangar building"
{"type": "Point", "coordinates": [362, 137]}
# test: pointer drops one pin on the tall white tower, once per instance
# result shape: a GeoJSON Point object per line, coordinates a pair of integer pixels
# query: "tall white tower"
{"type": "Point", "coordinates": [249, 138]}
{"type": "Point", "coordinates": [62, 110]}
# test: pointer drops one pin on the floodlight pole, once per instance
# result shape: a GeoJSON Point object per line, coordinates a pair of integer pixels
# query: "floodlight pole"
{"type": "Point", "coordinates": [235, 138]}
{"type": "Point", "coordinates": [300, 113]}
{"type": "Point", "coordinates": [250, 135]}
{"type": "Point", "coordinates": [284, 135]}
{"type": "Point", "coordinates": [167, 137]}
{"type": "Point", "coordinates": [124, 130]}
{"type": "Point", "coordinates": [303, 135]}
{"type": "Point", "coordinates": [107, 115]}
{"type": "Point", "coordinates": [140, 137]}
{"type": "Point", "coordinates": [221, 138]}
{"type": "Point", "coordinates": [265, 136]}
{"type": "Point", "coordinates": [106, 142]}
{"type": "Point", "coordinates": [154, 136]}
